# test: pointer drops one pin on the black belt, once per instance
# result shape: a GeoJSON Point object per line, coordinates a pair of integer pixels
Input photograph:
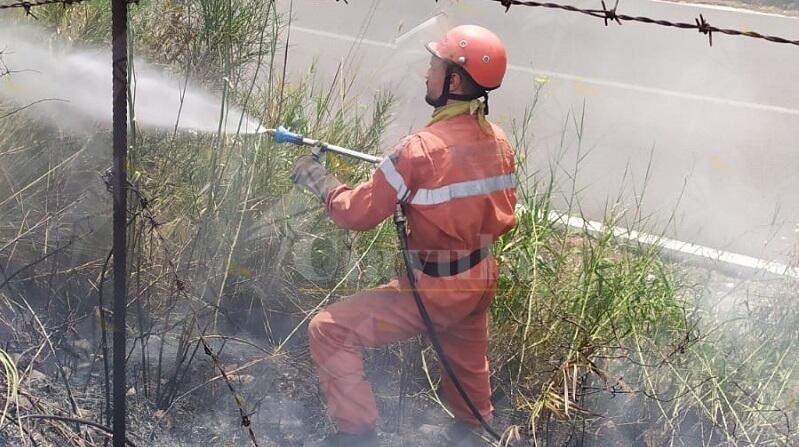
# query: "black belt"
{"type": "Point", "coordinates": [460, 265]}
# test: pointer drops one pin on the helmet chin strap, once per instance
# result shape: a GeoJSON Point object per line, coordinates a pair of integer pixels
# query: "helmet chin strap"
{"type": "Point", "coordinates": [446, 95]}
{"type": "Point", "coordinates": [483, 94]}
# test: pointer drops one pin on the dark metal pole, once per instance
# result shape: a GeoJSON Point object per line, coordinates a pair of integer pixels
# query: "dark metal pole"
{"type": "Point", "coordinates": [119, 36]}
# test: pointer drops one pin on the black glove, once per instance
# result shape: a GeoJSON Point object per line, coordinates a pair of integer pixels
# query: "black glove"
{"type": "Point", "coordinates": [313, 177]}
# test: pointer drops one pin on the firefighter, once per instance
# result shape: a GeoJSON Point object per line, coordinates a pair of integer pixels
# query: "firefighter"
{"type": "Point", "coordinates": [455, 180]}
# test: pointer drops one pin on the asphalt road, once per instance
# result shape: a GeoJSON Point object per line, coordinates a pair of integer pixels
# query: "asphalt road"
{"type": "Point", "coordinates": [696, 142]}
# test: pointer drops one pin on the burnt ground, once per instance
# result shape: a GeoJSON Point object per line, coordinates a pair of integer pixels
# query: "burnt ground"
{"type": "Point", "coordinates": [285, 407]}
{"type": "Point", "coordinates": [278, 390]}
{"type": "Point", "coordinates": [287, 410]}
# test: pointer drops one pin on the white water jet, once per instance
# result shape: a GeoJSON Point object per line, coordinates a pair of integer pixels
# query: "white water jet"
{"type": "Point", "coordinates": [72, 88]}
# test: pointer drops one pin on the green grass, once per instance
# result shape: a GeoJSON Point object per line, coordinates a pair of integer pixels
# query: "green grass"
{"type": "Point", "coordinates": [569, 298]}
{"type": "Point", "coordinates": [583, 317]}
{"type": "Point", "coordinates": [10, 383]}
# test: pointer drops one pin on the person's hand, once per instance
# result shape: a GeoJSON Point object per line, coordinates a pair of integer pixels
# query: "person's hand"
{"type": "Point", "coordinates": [310, 175]}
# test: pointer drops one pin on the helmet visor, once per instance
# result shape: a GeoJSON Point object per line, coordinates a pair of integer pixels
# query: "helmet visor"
{"type": "Point", "coordinates": [433, 48]}
{"type": "Point", "coordinates": [408, 58]}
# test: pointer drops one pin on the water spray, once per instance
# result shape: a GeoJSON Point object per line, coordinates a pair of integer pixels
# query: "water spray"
{"type": "Point", "coordinates": [62, 82]}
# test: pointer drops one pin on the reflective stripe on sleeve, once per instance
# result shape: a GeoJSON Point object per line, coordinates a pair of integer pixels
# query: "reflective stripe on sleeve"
{"type": "Point", "coordinates": [394, 178]}
{"type": "Point", "coordinates": [463, 189]}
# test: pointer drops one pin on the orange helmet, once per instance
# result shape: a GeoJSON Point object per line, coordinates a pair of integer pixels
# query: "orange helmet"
{"type": "Point", "coordinates": [478, 51]}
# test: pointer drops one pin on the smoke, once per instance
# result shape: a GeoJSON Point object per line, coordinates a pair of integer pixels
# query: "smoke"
{"type": "Point", "coordinates": [71, 87]}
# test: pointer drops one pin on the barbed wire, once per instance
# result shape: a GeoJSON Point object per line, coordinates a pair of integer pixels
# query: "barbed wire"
{"type": "Point", "coordinates": [612, 15]}
{"type": "Point", "coordinates": [245, 417]}
{"type": "Point", "coordinates": [608, 15]}
{"type": "Point", "coordinates": [28, 5]}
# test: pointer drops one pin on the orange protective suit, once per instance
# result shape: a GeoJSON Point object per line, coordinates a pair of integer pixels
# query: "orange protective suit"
{"type": "Point", "coordinates": [457, 183]}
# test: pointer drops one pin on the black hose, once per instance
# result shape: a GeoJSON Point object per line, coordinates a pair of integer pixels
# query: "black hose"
{"type": "Point", "coordinates": [400, 222]}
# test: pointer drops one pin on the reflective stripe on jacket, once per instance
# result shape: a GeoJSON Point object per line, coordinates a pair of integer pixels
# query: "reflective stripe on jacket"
{"type": "Point", "coordinates": [457, 183]}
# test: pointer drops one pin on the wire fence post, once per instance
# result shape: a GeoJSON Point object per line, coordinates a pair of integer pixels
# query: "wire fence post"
{"type": "Point", "coordinates": [119, 43]}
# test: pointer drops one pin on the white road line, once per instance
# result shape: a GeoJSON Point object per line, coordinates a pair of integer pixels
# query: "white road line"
{"type": "Point", "coordinates": [343, 37]}
{"type": "Point", "coordinates": [656, 91]}
{"type": "Point", "coordinates": [727, 9]}
{"type": "Point", "coordinates": [572, 77]}
{"type": "Point", "coordinates": [673, 245]}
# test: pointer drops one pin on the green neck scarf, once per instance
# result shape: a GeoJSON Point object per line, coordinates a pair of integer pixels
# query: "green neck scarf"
{"type": "Point", "coordinates": [473, 107]}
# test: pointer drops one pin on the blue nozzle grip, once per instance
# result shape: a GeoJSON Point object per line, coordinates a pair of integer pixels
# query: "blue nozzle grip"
{"type": "Point", "coordinates": [283, 135]}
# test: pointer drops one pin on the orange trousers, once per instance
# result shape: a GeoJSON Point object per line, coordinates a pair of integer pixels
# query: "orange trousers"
{"type": "Point", "coordinates": [457, 305]}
